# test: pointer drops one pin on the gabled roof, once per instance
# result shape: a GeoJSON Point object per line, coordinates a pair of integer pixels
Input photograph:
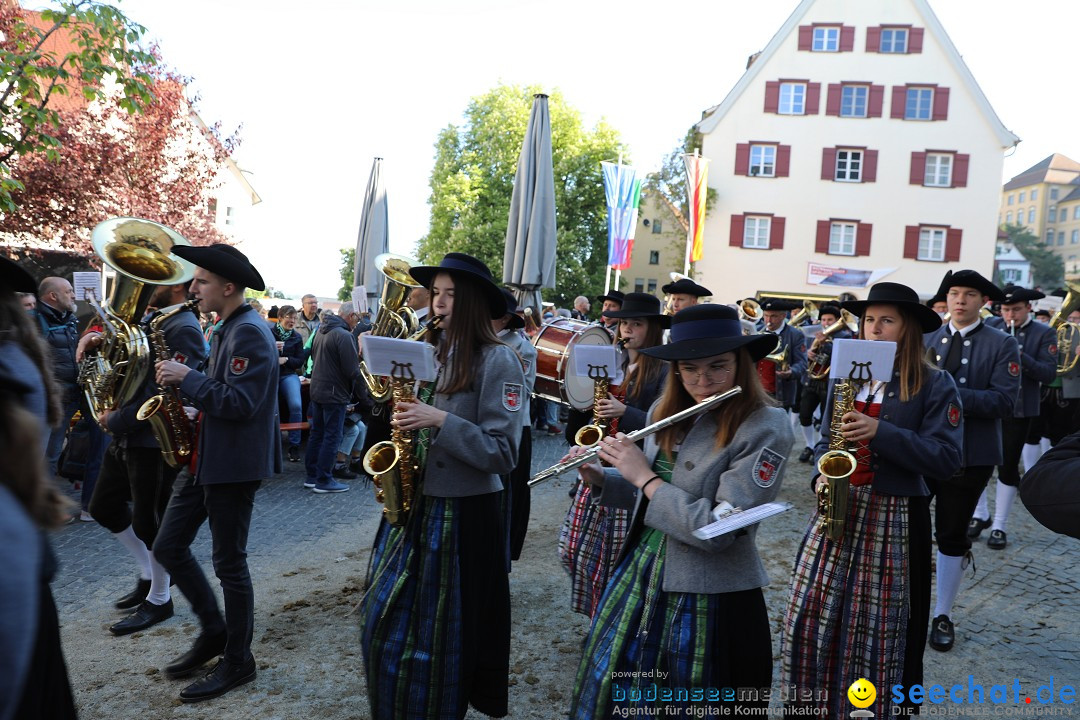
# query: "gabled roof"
{"type": "Point", "coordinates": [712, 116]}
{"type": "Point", "coordinates": [1054, 168]}
{"type": "Point", "coordinates": [1074, 195]}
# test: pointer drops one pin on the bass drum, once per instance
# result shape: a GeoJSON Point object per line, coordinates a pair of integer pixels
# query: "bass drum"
{"type": "Point", "coordinates": [555, 345]}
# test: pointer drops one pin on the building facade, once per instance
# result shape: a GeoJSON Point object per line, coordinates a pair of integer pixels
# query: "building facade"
{"type": "Point", "coordinates": [856, 147]}
{"type": "Point", "coordinates": [659, 246]}
{"type": "Point", "coordinates": [1045, 199]}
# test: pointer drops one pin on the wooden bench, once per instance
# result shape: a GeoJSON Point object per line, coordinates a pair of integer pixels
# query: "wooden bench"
{"type": "Point", "coordinates": [295, 426]}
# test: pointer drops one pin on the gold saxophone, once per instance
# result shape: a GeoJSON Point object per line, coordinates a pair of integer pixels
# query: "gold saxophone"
{"type": "Point", "coordinates": [589, 435]}
{"type": "Point", "coordinates": [836, 465]}
{"type": "Point", "coordinates": [165, 411]}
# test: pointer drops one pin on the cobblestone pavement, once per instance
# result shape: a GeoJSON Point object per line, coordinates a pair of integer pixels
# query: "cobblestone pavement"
{"type": "Point", "coordinates": [1017, 616]}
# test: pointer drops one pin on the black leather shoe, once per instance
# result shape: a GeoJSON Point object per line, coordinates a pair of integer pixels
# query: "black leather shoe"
{"type": "Point", "coordinates": [976, 526]}
{"type": "Point", "coordinates": [997, 540]}
{"type": "Point", "coordinates": [806, 454]}
{"type": "Point", "coordinates": [206, 648]}
{"type": "Point", "coordinates": [342, 472]}
{"type": "Point", "coordinates": [294, 453]}
{"type": "Point", "coordinates": [223, 678]}
{"type": "Point", "coordinates": [135, 597]}
{"type": "Point", "coordinates": [942, 633]}
{"type": "Point", "coordinates": [147, 615]}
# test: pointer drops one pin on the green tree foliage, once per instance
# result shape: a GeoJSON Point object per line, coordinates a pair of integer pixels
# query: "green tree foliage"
{"type": "Point", "coordinates": [473, 177]}
{"type": "Point", "coordinates": [1047, 268]}
{"type": "Point", "coordinates": [348, 257]}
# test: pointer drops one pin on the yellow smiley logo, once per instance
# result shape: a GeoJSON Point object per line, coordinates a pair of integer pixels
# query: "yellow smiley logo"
{"type": "Point", "coordinates": [862, 693]}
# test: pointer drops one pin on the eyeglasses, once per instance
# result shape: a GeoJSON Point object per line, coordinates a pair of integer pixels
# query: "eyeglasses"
{"type": "Point", "coordinates": [711, 374]}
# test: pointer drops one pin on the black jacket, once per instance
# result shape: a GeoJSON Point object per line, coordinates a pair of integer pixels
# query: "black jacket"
{"type": "Point", "coordinates": [336, 362]}
{"type": "Point", "coordinates": [61, 331]}
{"type": "Point", "coordinates": [293, 350]}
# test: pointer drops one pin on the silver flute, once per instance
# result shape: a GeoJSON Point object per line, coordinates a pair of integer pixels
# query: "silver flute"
{"type": "Point", "coordinates": [707, 404]}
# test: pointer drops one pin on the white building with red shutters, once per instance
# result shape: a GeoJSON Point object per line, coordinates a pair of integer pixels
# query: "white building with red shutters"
{"type": "Point", "coordinates": [856, 147]}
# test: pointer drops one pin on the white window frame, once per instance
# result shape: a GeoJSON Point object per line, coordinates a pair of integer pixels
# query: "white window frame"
{"type": "Point", "coordinates": [925, 97]}
{"type": "Point", "coordinates": [1021, 201]}
{"type": "Point", "coordinates": [932, 244]}
{"type": "Point", "coordinates": [850, 109]}
{"type": "Point", "coordinates": [1076, 212]}
{"type": "Point", "coordinates": [1034, 195]}
{"type": "Point", "coordinates": [826, 39]}
{"type": "Point", "coordinates": [1053, 193]}
{"type": "Point", "coordinates": [792, 99]}
{"type": "Point", "coordinates": [1011, 275]}
{"type": "Point", "coordinates": [1051, 214]}
{"type": "Point", "coordinates": [1009, 199]}
{"type": "Point", "coordinates": [762, 161]}
{"type": "Point", "coordinates": [1074, 237]}
{"type": "Point", "coordinates": [1031, 216]}
{"type": "Point", "coordinates": [849, 165]}
{"type": "Point", "coordinates": [1061, 238]}
{"type": "Point", "coordinates": [1008, 218]}
{"type": "Point", "coordinates": [654, 257]}
{"type": "Point", "coordinates": [938, 171]}
{"type": "Point", "coordinates": [756, 230]}
{"type": "Point", "coordinates": [1049, 237]}
{"type": "Point", "coordinates": [894, 40]}
{"type": "Point", "coordinates": [842, 238]}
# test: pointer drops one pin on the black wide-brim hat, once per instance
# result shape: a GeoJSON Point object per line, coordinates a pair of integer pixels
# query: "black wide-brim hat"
{"type": "Point", "coordinates": [971, 279]}
{"type": "Point", "coordinates": [515, 321]}
{"type": "Point", "coordinates": [461, 265]}
{"type": "Point", "coordinates": [701, 331]}
{"type": "Point", "coordinates": [776, 304]}
{"type": "Point", "coordinates": [639, 305]}
{"type": "Point", "coordinates": [890, 293]}
{"type": "Point", "coordinates": [14, 278]}
{"type": "Point", "coordinates": [614, 296]}
{"type": "Point", "coordinates": [1017, 294]}
{"type": "Point", "coordinates": [223, 260]}
{"type": "Point", "coordinates": [686, 286]}
{"type": "Point", "coordinates": [829, 309]}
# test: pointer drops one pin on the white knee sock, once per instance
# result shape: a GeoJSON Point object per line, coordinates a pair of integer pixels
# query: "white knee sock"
{"type": "Point", "coordinates": [1030, 455]}
{"type": "Point", "coordinates": [809, 435]}
{"type": "Point", "coordinates": [794, 417]}
{"type": "Point", "coordinates": [138, 550]}
{"type": "Point", "coordinates": [982, 511]}
{"type": "Point", "coordinates": [1044, 444]}
{"type": "Point", "coordinates": [949, 574]}
{"type": "Point", "coordinates": [1005, 497]}
{"type": "Point", "coordinates": [159, 583]}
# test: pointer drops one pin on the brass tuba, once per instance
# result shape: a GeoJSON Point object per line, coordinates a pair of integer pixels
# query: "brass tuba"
{"type": "Point", "coordinates": [1067, 333]}
{"type": "Point", "coordinates": [808, 314]}
{"type": "Point", "coordinates": [140, 251]}
{"type": "Point", "coordinates": [394, 319]}
{"type": "Point", "coordinates": [817, 369]}
{"type": "Point", "coordinates": [751, 311]}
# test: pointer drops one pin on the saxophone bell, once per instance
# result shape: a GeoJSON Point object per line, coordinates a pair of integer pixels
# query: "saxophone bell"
{"type": "Point", "coordinates": [836, 466]}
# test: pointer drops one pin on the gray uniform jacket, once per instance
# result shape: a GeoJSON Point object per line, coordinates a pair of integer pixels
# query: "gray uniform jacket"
{"type": "Point", "coordinates": [747, 472]}
{"type": "Point", "coordinates": [186, 344]}
{"type": "Point", "coordinates": [238, 436]}
{"type": "Point", "coordinates": [794, 339]}
{"type": "Point", "coordinates": [479, 439]}
{"type": "Point", "coordinates": [989, 385]}
{"type": "Point", "coordinates": [519, 343]}
{"type": "Point", "coordinates": [1038, 362]}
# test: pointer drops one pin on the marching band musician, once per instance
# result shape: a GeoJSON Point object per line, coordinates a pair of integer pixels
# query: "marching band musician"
{"type": "Point", "coordinates": [684, 293]}
{"type": "Point", "coordinates": [780, 383]}
{"type": "Point", "coordinates": [693, 607]}
{"type": "Point", "coordinates": [985, 363]}
{"type": "Point", "coordinates": [435, 621]}
{"type": "Point", "coordinates": [1038, 366]}
{"type": "Point", "coordinates": [133, 469]}
{"type": "Point", "coordinates": [237, 397]}
{"type": "Point", "coordinates": [875, 581]}
{"type": "Point", "coordinates": [612, 301]}
{"type": "Point", "coordinates": [815, 391]}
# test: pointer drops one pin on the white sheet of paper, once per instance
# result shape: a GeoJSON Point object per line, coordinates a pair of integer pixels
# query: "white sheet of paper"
{"type": "Point", "coordinates": [737, 519]}
{"type": "Point", "coordinates": [811, 331]}
{"type": "Point", "coordinates": [874, 357]}
{"type": "Point", "coordinates": [593, 360]}
{"type": "Point", "coordinates": [83, 281]}
{"type": "Point", "coordinates": [359, 298]}
{"type": "Point", "coordinates": [394, 356]}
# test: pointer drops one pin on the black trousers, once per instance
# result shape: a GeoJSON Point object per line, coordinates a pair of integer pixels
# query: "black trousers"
{"type": "Point", "coordinates": [228, 507]}
{"type": "Point", "coordinates": [137, 475]}
{"type": "Point", "coordinates": [956, 500]}
{"type": "Point", "coordinates": [919, 549]}
{"type": "Point", "coordinates": [813, 397]}
{"type": "Point", "coordinates": [1014, 433]}
{"type": "Point", "coordinates": [520, 498]}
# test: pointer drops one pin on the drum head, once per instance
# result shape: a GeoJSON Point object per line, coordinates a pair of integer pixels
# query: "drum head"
{"type": "Point", "coordinates": [555, 361]}
{"type": "Point", "coordinates": [579, 390]}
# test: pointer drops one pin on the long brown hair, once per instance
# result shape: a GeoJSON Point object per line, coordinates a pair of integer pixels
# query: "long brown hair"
{"type": "Point", "coordinates": [647, 368]}
{"type": "Point", "coordinates": [17, 327]}
{"type": "Point", "coordinates": [728, 416]}
{"type": "Point", "coordinates": [470, 329]}
{"type": "Point", "coordinates": [24, 465]}
{"type": "Point", "coordinates": [911, 360]}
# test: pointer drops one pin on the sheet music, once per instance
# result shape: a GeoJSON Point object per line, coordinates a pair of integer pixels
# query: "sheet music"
{"type": "Point", "coordinates": [83, 281]}
{"type": "Point", "coordinates": [385, 356]}
{"type": "Point", "coordinates": [736, 519]}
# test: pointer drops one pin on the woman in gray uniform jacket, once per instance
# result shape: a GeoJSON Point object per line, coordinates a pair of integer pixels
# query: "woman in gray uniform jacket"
{"type": "Point", "coordinates": [435, 622]}
{"type": "Point", "coordinates": [691, 608]}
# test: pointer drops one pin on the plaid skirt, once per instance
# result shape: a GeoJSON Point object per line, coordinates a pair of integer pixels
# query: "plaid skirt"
{"type": "Point", "coordinates": [847, 617]}
{"type": "Point", "coordinates": [435, 621]}
{"type": "Point", "coordinates": [591, 538]}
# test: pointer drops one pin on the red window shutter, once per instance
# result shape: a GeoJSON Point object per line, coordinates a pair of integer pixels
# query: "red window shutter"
{"type": "Point", "coordinates": [873, 39]}
{"type": "Point", "coordinates": [915, 39]}
{"type": "Point", "coordinates": [738, 224]}
{"type": "Point", "coordinates": [821, 244]}
{"type": "Point", "coordinates": [742, 159]}
{"type": "Point", "coordinates": [960, 170]}
{"type": "Point", "coordinates": [952, 244]}
{"type": "Point", "coordinates": [911, 242]}
{"type": "Point", "coordinates": [806, 37]}
{"type": "Point", "coordinates": [918, 168]}
{"type": "Point", "coordinates": [869, 166]}
{"type": "Point", "coordinates": [875, 101]}
{"type": "Point", "coordinates": [847, 38]}
{"type": "Point", "coordinates": [862, 238]}
{"type": "Point", "coordinates": [899, 101]}
{"type": "Point", "coordinates": [783, 160]}
{"type": "Point", "coordinates": [813, 98]}
{"type": "Point", "coordinates": [776, 233]}
{"type": "Point", "coordinates": [941, 103]}
{"type": "Point", "coordinates": [772, 97]}
{"type": "Point", "coordinates": [832, 99]}
{"type": "Point", "coordinates": [828, 163]}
